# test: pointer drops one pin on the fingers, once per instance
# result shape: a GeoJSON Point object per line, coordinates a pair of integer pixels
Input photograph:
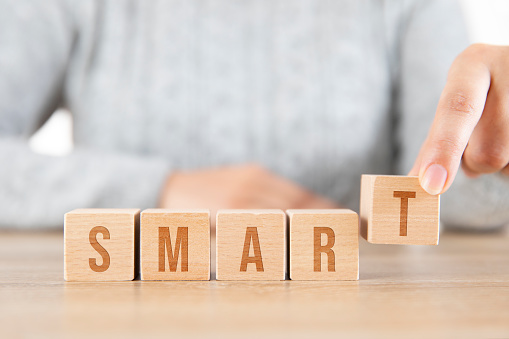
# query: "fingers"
{"type": "Point", "coordinates": [459, 110]}
{"type": "Point", "coordinates": [488, 148]}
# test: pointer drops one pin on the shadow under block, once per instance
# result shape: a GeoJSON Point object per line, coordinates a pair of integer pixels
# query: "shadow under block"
{"type": "Point", "coordinates": [250, 245]}
{"type": "Point", "coordinates": [175, 244]}
{"type": "Point", "coordinates": [396, 210]}
{"type": "Point", "coordinates": [324, 244]}
{"type": "Point", "coordinates": [100, 244]}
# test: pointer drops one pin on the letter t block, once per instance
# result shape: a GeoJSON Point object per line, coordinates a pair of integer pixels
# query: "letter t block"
{"type": "Point", "coordinates": [396, 210]}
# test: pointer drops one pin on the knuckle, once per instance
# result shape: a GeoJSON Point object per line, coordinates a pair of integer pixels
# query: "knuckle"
{"type": "Point", "coordinates": [461, 104]}
{"type": "Point", "coordinates": [252, 177]}
{"type": "Point", "coordinates": [489, 159]}
{"type": "Point", "coordinates": [477, 51]}
{"type": "Point", "coordinates": [240, 202]}
{"type": "Point", "coordinates": [484, 53]}
{"type": "Point", "coordinates": [477, 47]}
{"type": "Point", "coordinates": [255, 170]}
{"type": "Point", "coordinates": [302, 199]}
{"type": "Point", "coordinates": [469, 172]}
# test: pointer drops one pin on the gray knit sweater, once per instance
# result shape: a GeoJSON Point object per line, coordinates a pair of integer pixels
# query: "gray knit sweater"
{"type": "Point", "coordinates": [317, 91]}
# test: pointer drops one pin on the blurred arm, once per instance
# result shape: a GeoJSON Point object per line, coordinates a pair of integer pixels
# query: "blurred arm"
{"type": "Point", "coordinates": [35, 191]}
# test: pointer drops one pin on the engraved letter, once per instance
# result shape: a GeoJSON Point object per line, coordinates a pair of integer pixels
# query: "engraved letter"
{"type": "Point", "coordinates": [92, 237]}
{"type": "Point", "coordinates": [251, 234]}
{"type": "Point", "coordinates": [403, 214]}
{"type": "Point", "coordinates": [319, 249]}
{"type": "Point", "coordinates": [181, 245]}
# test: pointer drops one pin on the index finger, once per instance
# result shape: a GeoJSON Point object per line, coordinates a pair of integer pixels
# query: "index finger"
{"type": "Point", "coordinates": [459, 109]}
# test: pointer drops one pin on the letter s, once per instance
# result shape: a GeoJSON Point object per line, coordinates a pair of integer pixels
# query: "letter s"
{"type": "Point", "coordinates": [104, 254]}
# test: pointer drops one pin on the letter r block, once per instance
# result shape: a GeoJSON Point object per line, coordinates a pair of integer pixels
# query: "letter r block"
{"type": "Point", "coordinates": [250, 245]}
{"type": "Point", "coordinates": [324, 244]}
{"type": "Point", "coordinates": [175, 244]}
{"type": "Point", "coordinates": [396, 210]}
{"type": "Point", "coordinates": [100, 244]}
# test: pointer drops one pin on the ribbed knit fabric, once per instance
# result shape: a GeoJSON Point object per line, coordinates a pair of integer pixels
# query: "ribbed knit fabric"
{"type": "Point", "coordinates": [317, 91]}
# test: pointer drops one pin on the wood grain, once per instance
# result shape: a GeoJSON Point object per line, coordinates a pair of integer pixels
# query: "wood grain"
{"type": "Point", "coordinates": [175, 244]}
{"type": "Point", "coordinates": [100, 244]}
{"type": "Point", "coordinates": [251, 245]}
{"type": "Point", "coordinates": [459, 289]}
{"type": "Point", "coordinates": [396, 210]}
{"type": "Point", "coordinates": [324, 244]}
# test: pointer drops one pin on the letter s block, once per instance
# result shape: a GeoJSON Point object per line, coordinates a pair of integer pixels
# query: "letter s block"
{"type": "Point", "coordinates": [324, 244]}
{"type": "Point", "coordinates": [250, 245]}
{"type": "Point", "coordinates": [175, 244]}
{"type": "Point", "coordinates": [396, 210]}
{"type": "Point", "coordinates": [100, 244]}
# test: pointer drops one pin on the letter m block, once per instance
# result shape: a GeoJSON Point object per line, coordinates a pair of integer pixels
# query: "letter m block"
{"type": "Point", "coordinates": [396, 210]}
{"type": "Point", "coordinates": [175, 244]}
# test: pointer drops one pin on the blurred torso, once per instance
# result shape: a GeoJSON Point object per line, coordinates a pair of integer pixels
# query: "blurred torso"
{"type": "Point", "coordinates": [301, 87]}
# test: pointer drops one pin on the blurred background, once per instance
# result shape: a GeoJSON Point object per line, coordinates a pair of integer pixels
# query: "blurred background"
{"type": "Point", "coordinates": [486, 22]}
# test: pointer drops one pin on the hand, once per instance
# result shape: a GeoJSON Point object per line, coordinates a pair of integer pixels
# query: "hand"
{"type": "Point", "coordinates": [245, 186]}
{"type": "Point", "coordinates": [471, 124]}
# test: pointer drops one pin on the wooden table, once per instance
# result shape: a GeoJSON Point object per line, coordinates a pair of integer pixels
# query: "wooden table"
{"type": "Point", "coordinates": [458, 289]}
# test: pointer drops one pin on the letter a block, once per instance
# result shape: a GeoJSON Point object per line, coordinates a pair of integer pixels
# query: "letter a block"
{"type": "Point", "coordinates": [250, 245]}
{"type": "Point", "coordinates": [175, 244]}
{"type": "Point", "coordinates": [99, 244]}
{"type": "Point", "coordinates": [396, 210]}
{"type": "Point", "coordinates": [324, 244]}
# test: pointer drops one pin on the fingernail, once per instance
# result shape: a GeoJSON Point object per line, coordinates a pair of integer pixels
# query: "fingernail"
{"type": "Point", "coordinates": [434, 179]}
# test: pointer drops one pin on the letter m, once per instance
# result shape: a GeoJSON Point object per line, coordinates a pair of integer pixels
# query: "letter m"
{"type": "Point", "coordinates": [181, 246]}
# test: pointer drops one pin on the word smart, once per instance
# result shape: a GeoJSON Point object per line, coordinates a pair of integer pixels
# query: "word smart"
{"type": "Point", "coordinates": [164, 244]}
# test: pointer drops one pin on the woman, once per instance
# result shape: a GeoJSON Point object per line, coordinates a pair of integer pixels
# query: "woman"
{"type": "Point", "coordinates": [171, 100]}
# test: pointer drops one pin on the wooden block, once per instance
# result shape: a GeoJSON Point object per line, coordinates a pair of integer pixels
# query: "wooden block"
{"type": "Point", "coordinates": [324, 244]}
{"type": "Point", "coordinates": [100, 244]}
{"type": "Point", "coordinates": [250, 245]}
{"type": "Point", "coordinates": [175, 244]}
{"type": "Point", "coordinates": [396, 210]}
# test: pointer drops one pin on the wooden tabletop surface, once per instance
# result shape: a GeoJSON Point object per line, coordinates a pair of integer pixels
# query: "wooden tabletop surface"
{"type": "Point", "coordinates": [458, 289]}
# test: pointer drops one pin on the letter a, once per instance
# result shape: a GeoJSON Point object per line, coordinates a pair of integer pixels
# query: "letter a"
{"type": "Point", "coordinates": [251, 235]}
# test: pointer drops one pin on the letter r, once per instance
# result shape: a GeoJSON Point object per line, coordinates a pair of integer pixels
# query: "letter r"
{"type": "Point", "coordinates": [327, 249]}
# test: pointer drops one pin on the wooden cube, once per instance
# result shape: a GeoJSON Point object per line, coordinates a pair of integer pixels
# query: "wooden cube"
{"type": "Point", "coordinates": [250, 245]}
{"type": "Point", "coordinates": [100, 244]}
{"type": "Point", "coordinates": [396, 210]}
{"type": "Point", "coordinates": [324, 244]}
{"type": "Point", "coordinates": [175, 244]}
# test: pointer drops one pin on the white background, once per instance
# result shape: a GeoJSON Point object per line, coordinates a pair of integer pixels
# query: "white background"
{"type": "Point", "coordinates": [487, 22]}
